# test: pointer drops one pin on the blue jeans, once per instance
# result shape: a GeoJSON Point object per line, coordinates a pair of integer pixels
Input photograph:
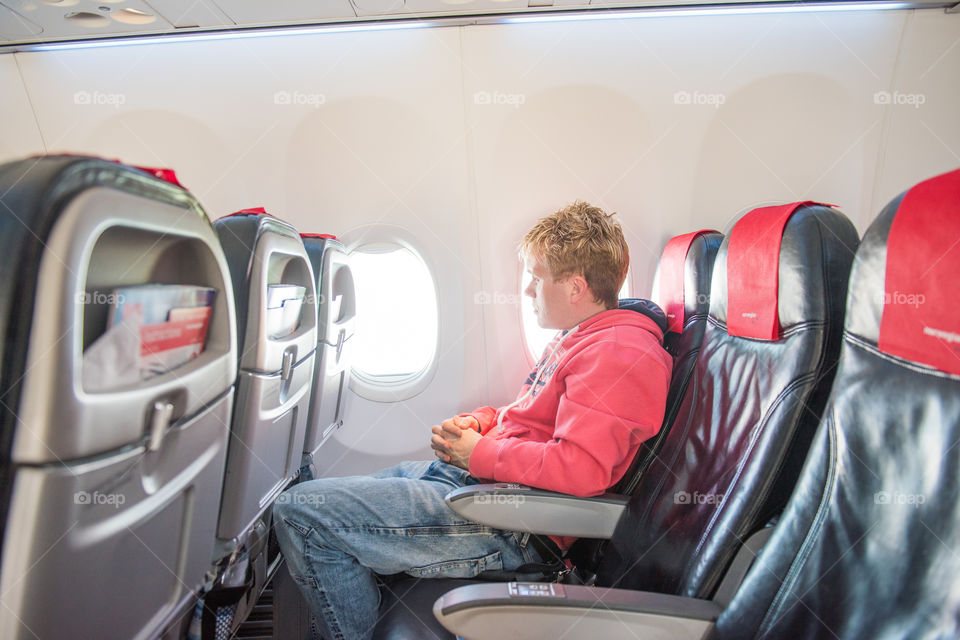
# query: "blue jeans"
{"type": "Point", "coordinates": [337, 533]}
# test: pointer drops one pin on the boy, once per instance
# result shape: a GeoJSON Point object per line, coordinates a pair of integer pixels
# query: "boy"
{"type": "Point", "coordinates": [597, 393]}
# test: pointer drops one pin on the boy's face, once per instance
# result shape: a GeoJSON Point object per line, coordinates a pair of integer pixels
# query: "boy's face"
{"type": "Point", "coordinates": [551, 298]}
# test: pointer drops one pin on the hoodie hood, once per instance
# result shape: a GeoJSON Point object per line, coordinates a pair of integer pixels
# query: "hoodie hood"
{"type": "Point", "coordinates": [637, 312]}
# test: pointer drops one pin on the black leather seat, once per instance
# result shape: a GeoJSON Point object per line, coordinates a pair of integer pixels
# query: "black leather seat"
{"type": "Point", "coordinates": [735, 449]}
{"type": "Point", "coordinates": [866, 546]}
{"type": "Point", "coordinates": [681, 286]}
{"type": "Point", "coordinates": [742, 430]}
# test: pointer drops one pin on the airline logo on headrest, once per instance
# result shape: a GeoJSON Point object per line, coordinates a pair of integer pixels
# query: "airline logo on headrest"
{"type": "Point", "coordinates": [943, 335]}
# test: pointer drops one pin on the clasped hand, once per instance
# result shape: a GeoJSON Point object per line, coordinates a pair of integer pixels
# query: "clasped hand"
{"type": "Point", "coordinates": [454, 439]}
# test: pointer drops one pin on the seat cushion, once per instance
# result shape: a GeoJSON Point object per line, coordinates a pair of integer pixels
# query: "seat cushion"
{"type": "Point", "coordinates": [406, 609]}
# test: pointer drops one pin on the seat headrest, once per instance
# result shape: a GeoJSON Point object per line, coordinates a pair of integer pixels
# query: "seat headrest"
{"type": "Point", "coordinates": [252, 211]}
{"type": "Point", "coordinates": [753, 271]}
{"type": "Point", "coordinates": [168, 175]}
{"type": "Point", "coordinates": [919, 320]}
{"type": "Point", "coordinates": [671, 275]}
{"type": "Point", "coordinates": [647, 308]}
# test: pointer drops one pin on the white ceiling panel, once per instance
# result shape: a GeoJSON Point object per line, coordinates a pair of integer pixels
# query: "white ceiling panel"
{"type": "Point", "coordinates": [191, 13]}
{"type": "Point", "coordinates": [283, 11]}
{"type": "Point", "coordinates": [25, 22]}
{"type": "Point", "coordinates": [458, 7]}
{"type": "Point", "coordinates": [14, 26]}
{"type": "Point", "coordinates": [59, 19]}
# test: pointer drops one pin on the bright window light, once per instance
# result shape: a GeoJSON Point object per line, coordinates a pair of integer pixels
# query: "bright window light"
{"type": "Point", "coordinates": [396, 337]}
{"type": "Point", "coordinates": [537, 338]}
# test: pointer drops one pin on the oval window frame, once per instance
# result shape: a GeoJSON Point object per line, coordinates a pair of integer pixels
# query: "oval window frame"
{"type": "Point", "coordinates": [394, 388]}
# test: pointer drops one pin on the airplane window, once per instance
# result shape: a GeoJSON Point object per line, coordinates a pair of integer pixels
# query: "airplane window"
{"type": "Point", "coordinates": [396, 335]}
{"type": "Point", "coordinates": [536, 338]}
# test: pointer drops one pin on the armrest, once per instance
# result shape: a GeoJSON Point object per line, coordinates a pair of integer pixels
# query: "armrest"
{"type": "Point", "coordinates": [515, 507]}
{"type": "Point", "coordinates": [534, 610]}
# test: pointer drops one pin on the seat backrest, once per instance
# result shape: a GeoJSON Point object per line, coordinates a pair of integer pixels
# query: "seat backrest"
{"type": "Point", "coordinates": [275, 291]}
{"type": "Point", "coordinates": [336, 312]}
{"type": "Point", "coordinates": [681, 286]}
{"type": "Point", "coordinates": [867, 546]}
{"type": "Point", "coordinates": [734, 450]}
{"type": "Point", "coordinates": [110, 475]}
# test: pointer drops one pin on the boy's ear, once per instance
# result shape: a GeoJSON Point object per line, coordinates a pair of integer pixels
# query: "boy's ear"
{"type": "Point", "coordinates": [578, 288]}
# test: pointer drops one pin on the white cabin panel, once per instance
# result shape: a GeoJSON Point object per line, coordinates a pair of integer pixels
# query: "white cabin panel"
{"type": "Point", "coordinates": [922, 104]}
{"type": "Point", "coordinates": [676, 123]}
{"type": "Point", "coordinates": [21, 135]}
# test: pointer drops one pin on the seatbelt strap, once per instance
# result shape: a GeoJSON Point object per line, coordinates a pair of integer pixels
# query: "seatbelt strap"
{"type": "Point", "coordinates": [552, 567]}
{"type": "Point", "coordinates": [549, 552]}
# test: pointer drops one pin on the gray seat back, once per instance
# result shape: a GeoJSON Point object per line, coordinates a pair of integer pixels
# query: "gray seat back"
{"type": "Point", "coordinates": [109, 496]}
{"type": "Point", "coordinates": [276, 367]}
{"type": "Point", "coordinates": [337, 311]}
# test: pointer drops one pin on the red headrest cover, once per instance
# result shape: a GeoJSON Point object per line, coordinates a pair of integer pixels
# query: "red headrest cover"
{"type": "Point", "coordinates": [753, 271]}
{"type": "Point", "coordinates": [920, 320]}
{"type": "Point", "coordinates": [164, 174]}
{"type": "Point", "coordinates": [669, 294]}
{"type": "Point", "coordinates": [253, 211]}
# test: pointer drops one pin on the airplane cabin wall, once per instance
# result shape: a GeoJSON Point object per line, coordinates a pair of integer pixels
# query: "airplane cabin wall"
{"type": "Point", "coordinates": [459, 138]}
{"type": "Point", "coordinates": [20, 132]}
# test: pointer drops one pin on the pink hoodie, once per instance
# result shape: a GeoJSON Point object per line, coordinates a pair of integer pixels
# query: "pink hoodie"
{"type": "Point", "coordinates": [601, 391]}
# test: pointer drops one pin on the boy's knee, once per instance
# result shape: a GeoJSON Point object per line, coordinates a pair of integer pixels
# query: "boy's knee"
{"type": "Point", "coordinates": [290, 506]}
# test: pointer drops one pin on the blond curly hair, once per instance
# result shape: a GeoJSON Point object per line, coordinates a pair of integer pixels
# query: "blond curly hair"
{"type": "Point", "coordinates": [581, 239]}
